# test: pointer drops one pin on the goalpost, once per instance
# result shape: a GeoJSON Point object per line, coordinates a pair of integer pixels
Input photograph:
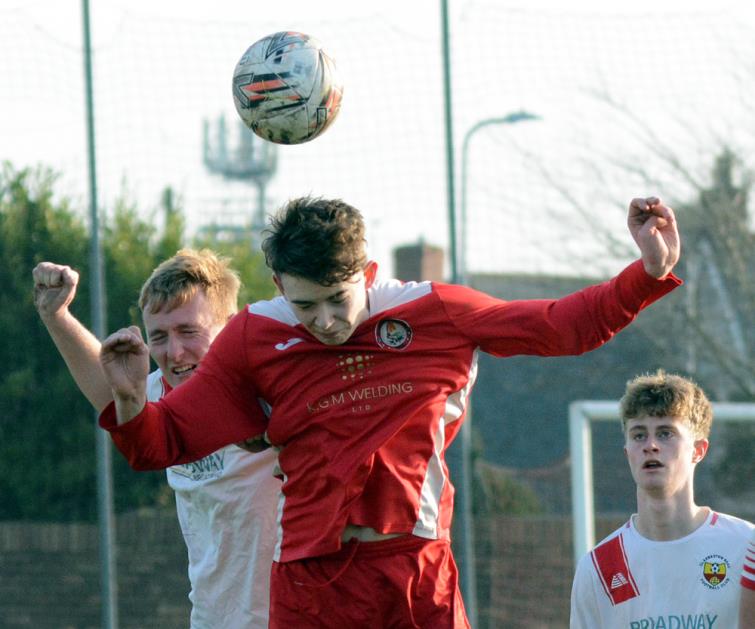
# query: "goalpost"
{"type": "Point", "coordinates": [581, 414]}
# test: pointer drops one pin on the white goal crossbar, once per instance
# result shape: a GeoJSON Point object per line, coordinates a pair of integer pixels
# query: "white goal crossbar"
{"type": "Point", "coordinates": [581, 414]}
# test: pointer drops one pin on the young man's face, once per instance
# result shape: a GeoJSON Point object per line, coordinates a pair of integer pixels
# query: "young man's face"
{"type": "Point", "coordinates": [179, 339]}
{"type": "Point", "coordinates": [330, 313]}
{"type": "Point", "coordinates": [662, 453]}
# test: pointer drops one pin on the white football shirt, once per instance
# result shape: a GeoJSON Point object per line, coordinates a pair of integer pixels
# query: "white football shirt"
{"type": "Point", "coordinates": [630, 582]}
{"type": "Point", "coordinates": [226, 504]}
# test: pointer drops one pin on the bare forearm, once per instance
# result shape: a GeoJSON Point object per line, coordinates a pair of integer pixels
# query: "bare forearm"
{"type": "Point", "coordinates": [80, 350]}
{"type": "Point", "coordinates": [126, 408]}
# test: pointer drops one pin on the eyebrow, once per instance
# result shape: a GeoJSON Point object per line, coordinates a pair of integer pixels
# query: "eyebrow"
{"type": "Point", "coordinates": [180, 326]}
{"type": "Point", "coordinates": [646, 427]}
{"type": "Point", "coordinates": [301, 302]}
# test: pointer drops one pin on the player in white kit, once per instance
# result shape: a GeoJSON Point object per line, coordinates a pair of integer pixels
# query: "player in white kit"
{"type": "Point", "coordinates": [674, 563]}
{"type": "Point", "coordinates": [226, 501]}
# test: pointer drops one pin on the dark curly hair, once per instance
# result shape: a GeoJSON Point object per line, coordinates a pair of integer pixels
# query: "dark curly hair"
{"type": "Point", "coordinates": [321, 240]}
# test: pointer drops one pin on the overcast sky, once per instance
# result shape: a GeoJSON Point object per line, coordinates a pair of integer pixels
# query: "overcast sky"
{"type": "Point", "coordinates": [162, 67]}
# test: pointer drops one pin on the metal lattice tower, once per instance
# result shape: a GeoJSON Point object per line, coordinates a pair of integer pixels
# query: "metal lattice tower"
{"type": "Point", "coordinates": [250, 159]}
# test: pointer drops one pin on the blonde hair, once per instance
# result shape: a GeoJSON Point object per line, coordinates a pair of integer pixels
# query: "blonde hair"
{"type": "Point", "coordinates": [667, 395]}
{"type": "Point", "coordinates": [177, 280]}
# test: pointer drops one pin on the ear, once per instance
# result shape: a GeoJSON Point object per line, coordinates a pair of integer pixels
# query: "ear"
{"type": "Point", "coordinates": [370, 273]}
{"type": "Point", "coordinates": [278, 284]}
{"type": "Point", "coordinates": [701, 449]}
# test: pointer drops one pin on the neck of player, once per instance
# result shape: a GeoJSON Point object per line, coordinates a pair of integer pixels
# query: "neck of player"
{"type": "Point", "coordinates": [665, 518]}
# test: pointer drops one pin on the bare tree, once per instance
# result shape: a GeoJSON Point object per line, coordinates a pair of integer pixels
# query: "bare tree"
{"type": "Point", "coordinates": [710, 325]}
{"type": "Point", "coordinates": [707, 329]}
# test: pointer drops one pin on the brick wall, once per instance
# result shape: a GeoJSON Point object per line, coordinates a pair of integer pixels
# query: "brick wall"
{"type": "Point", "coordinates": [49, 573]}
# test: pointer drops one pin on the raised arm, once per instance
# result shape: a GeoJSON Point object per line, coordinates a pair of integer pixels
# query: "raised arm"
{"type": "Point", "coordinates": [217, 406]}
{"type": "Point", "coordinates": [586, 319]}
{"type": "Point", "coordinates": [54, 290]}
{"type": "Point", "coordinates": [653, 227]}
{"type": "Point", "coordinates": [124, 358]}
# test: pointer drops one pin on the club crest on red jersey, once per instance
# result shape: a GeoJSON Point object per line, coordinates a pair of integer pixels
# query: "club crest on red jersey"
{"type": "Point", "coordinates": [393, 334]}
{"type": "Point", "coordinates": [715, 570]}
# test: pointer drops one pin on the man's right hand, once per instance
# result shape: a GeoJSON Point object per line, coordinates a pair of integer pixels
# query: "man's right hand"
{"type": "Point", "coordinates": [54, 289]}
{"type": "Point", "coordinates": [124, 358]}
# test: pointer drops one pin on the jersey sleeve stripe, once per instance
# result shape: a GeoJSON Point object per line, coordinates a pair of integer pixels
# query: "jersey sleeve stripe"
{"type": "Point", "coordinates": [610, 560]}
{"type": "Point", "coordinates": [748, 569]}
{"type": "Point", "coordinates": [601, 578]}
{"type": "Point", "coordinates": [630, 576]}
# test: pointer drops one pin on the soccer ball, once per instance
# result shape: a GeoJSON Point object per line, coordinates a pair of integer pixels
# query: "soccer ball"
{"type": "Point", "coordinates": [286, 89]}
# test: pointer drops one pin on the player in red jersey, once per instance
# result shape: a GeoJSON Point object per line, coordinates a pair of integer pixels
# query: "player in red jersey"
{"type": "Point", "coordinates": [367, 382]}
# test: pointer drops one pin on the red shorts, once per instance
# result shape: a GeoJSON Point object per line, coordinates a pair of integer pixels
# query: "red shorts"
{"type": "Point", "coordinates": [403, 583]}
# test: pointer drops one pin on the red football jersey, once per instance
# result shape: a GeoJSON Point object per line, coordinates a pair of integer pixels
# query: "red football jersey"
{"type": "Point", "coordinates": [362, 427]}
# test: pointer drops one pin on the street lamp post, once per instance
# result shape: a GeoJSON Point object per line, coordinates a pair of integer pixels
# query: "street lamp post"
{"type": "Point", "coordinates": [463, 456]}
{"type": "Point", "coordinates": [460, 266]}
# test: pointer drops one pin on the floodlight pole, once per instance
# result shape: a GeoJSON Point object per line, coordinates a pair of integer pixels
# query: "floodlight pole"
{"type": "Point", "coordinates": [106, 520]}
{"type": "Point", "coordinates": [457, 456]}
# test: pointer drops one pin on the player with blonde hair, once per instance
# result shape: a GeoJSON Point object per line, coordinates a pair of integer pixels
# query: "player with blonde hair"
{"type": "Point", "coordinates": [226, 501]}
{"type": "Point", "coordinates": [674, 563]}
{"type": "Point", "coordinates": [178, 279]}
